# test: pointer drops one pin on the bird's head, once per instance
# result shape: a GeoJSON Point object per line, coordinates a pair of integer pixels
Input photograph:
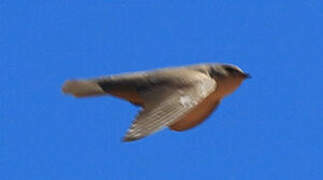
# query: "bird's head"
{"type": "Point", "coordinates": [220, 71]}
{"type": "Point", "coordinates": [228, 78]}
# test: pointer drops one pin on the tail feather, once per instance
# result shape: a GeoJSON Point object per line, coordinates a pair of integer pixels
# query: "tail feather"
{"type": "Point", "coordinates": [79, 88]}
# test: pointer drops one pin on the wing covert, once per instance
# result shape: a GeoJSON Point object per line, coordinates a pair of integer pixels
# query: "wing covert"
{"type": "Point", "coordinates": [165, 105]}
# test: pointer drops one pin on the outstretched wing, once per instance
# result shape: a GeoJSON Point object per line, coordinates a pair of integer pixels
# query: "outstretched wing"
{"type": "Point", "coordinates": [127, 86]}
{"type": "Point", "coordinates": [164, 105]}
{"type": "Point", "coordinates": [124, 86]}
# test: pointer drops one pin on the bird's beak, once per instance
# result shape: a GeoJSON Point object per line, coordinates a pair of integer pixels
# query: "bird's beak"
{"type": "Point", "coordinates": [246, 75]}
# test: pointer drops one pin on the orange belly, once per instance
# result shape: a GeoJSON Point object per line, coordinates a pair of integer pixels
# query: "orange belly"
{"type": "Point", "coordinates": [196, 116]}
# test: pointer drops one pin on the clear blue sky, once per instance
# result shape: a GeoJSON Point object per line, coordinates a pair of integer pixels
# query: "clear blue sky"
{"type": "Point", "coordinates": [270, 128]}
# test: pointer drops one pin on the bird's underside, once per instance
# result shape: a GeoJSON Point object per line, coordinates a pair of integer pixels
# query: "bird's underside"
{"type": "Point", "coordinates": [178, 98]}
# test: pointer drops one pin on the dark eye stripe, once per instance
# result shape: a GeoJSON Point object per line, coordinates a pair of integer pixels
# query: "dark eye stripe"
{"type": "Point", "coordinates": [230, 69]}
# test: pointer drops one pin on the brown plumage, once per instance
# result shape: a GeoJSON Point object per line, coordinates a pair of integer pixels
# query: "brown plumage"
{"type": "Point", "coordinates": [178, 98]}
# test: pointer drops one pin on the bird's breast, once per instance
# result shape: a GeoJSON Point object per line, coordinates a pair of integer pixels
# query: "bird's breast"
{"type": "Point", "coordinates": [226, 87]}
{"type": "Point", "coordinates": [196, 115]}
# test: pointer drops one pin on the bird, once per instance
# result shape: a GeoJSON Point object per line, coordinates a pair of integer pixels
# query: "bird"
{"type": "Point", "coordinates": [179, 98]}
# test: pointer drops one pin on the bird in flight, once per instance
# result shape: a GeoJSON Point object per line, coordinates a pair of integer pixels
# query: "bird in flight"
{"type": "Point", "coordinates": [179, 98]}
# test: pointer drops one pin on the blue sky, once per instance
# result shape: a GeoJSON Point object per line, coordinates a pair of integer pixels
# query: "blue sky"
{"type": "Point", "coordinates": [270, 128]}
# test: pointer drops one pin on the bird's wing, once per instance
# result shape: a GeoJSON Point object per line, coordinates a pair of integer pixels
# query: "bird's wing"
{"type": "Point", "coordinates": [164, 105]}
{"type": "Point", "coordinates": [124, 86]}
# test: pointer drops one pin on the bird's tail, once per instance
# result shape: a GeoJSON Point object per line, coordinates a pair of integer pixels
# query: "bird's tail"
{"type": "Point", "coordinates": [82, 88]}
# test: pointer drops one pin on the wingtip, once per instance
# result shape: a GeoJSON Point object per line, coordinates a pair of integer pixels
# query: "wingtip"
{"type": "Point", "coordinates": [66, 87]}
{"type": "Point", "coordinates": [80, 88]}
{"type": "Point", "coordinates": [125, 139]}
{"type": "Point", "coordinates": [129, 139]}
{"type": "Point", "coordinates": [69, 87]}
